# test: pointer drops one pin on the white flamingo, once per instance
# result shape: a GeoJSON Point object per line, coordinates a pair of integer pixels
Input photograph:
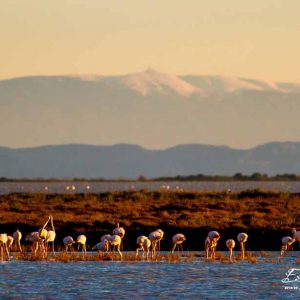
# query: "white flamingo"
{"type": "Point", "coordinates": [43, 234]}
{"type": "Point", "coordinates": [242, 239]}
{"type": "Point", "coordinates": [230, 244]}
{"type": "Point", "coordinates": [144, 244]}
{"type": "Point", "coordinates": [106, 237]}
{"type": "Point", "coordinates": [17, 235]}
{"type": "Point", "coordinates": [3, 246]}
{"type": "Point", "coordinates": [211, 243]}
{"type": "Point", "coordinates": [177, 240]}
{"type": "Point", "coordinates": [102, 246]}
{"type": "Point", "coordinates": [51, 235]}
{"type": "Point", "coordinates": [296, 235]}
{"type": "Point", "coordinates": [81, 241]}
{"type": "Point", "coordinates": [34, 238]}
{"type": "Point", "coordinates": [68, 242]}
{"type": "Point", "coordinates": [10, 241]}
{"type": "Point", "coordinates": [120, 231]}
{"type": "Point", "coordinates": [286, 241]}
{"type": "Point", "coordinates": [210, 247]}
{"type": "Point", "coordinates": [155, 237]}
{"type": "Point", "coordinates": [116, 241]}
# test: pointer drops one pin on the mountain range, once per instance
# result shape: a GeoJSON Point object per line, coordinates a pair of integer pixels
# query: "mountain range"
{"type": "Point", "coordinates": [132, 161]}
{"type": "Point", "coordinates": [149, 108]}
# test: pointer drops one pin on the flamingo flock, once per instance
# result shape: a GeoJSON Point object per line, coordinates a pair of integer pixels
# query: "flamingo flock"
{"type": "Point", "coordinates": [148, 245]}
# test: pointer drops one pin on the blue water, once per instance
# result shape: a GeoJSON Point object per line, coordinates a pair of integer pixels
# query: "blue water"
{"type": "Point", "coordinates": [147, 280]}
{"type": "Point", "coordinates": [100, 187]}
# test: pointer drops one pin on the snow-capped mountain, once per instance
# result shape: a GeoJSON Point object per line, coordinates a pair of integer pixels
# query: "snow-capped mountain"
{"type": "Point", "coordinates": [149, 108]}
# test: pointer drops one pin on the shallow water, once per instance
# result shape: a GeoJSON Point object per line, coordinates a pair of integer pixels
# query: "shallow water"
{"type": "Point", "coordinates": [147, 280]}
{"type": "Point", "coordinates": [100, 187]}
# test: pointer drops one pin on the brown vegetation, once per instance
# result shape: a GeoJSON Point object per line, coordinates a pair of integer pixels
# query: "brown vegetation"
{"type": "Point", "coordinates": [266, 216]}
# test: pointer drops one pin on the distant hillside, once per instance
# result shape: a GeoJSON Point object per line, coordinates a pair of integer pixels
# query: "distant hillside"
{"type": "Point", "coordinates": [148, 108]}
{"type": "Point", "coordinates": [131, 161]}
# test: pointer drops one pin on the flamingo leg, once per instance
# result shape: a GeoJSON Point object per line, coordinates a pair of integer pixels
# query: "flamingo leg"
{"type": "Point", "coordinates": [173, 248]}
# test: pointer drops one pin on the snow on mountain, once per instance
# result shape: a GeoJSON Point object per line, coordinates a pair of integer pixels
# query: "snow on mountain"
{"type": "Point", "coordinates": [149, 80]}
{"type": "Point", "coordinates": [217, 85]}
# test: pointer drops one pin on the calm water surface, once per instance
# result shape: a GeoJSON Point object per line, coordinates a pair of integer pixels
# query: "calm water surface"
{"type": "Point", "coordinates": [147, 280]}
{"type": "Point", "coordinates": [100, 187]}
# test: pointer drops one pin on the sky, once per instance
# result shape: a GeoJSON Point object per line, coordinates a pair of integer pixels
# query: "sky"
{"type": "Point", "coordinates": [254, 39]}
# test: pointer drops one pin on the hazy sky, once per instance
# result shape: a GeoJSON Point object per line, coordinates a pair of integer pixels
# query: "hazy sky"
{"type": "Point", "coordinates": [256, 39]}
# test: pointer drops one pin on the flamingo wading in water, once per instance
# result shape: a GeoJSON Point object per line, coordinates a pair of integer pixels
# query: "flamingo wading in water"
{"type": "Point", "coordinates": [230, 244]}
{"type": "Point", "coordinates": [242, 239]}
{"type": "Point", "coordinates": [177, 240]}
{"type": "Point", "coordinates": [17, 235]}
{"type": "Point", "coordinates": [144, 244]}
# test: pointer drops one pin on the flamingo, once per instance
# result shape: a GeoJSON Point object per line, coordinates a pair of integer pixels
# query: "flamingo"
{"type": "Point", "coordinates": [155, 237]}
{"type": "Point", "coordinates": [68, 242]}
{"type": "Point", "coordinates": [230, 245]}
{"type": "Point", "coordinates": [296, 235]}
{"type": "Point", "coordinates": [242, 239]}
{"type": "Point", "coordinates": [34, 238]}
{"type": "Point", "coordinates": [3, 246]}
{"type": "Point", "coordinates": [177, 240]}
{"type": "Point", "coordinates": [116, 241]}
{"type": "Point", "coordinates": [144, 244]}
{"type": "Point", "coordinates": [287, 241]}
{"type": "Point", "coordinates": [102, 246]}
{"type": "Point", "coordinates": [51, 234]}
{"type": "Point", "coordinates": [43, 234]}
{"type": "Point", "coordinates": [210, 246]}
{"type": "Point", "coordinates": [10, 241]}
{"type": "Point", "coordinates": [81, 241]}
{"type": "Point", "coordinates": [214, 235]}
{"type": "Point", "coordinates": [106, 237]}
{"type": "Point", "coordinates": [120, 231]}
{"type": "Point", "coordinates": [211, 243]}
{"type": "Point", "coordinates": [17, 235]}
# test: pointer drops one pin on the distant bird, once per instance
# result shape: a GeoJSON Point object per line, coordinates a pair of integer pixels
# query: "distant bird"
{"type": "Point", "coordinates": [102, 246]}
{"type": "Point", "coordinates": [230, 244]}
{"type": "Point", "coordinates": [155, 237]}
{"type": "Point", "coordinates": [177, 240]}
{"type": "Point", "coordinates": [242, 239]}
{"type": "Point", "coordinates": [144, 244]}
{"type": "Point", "coordinates": [115, 241]}
{"type": "Point", "coordinates": [34, 238]}
{"type": "Point", "coordinates": [286, 241]}
{"type": "Point", "coordinates": [81, 241]}
{"type": "Point", "coordinates": [10, 241]}
{"type": "Point", "coordinates": [17, 235]}
{"type": "Point", "coordinates": [3, 246]}
{"type": "Point", "coordinates": [68, 242]}
{"type": "Point", "coordinates": [51, 235]}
